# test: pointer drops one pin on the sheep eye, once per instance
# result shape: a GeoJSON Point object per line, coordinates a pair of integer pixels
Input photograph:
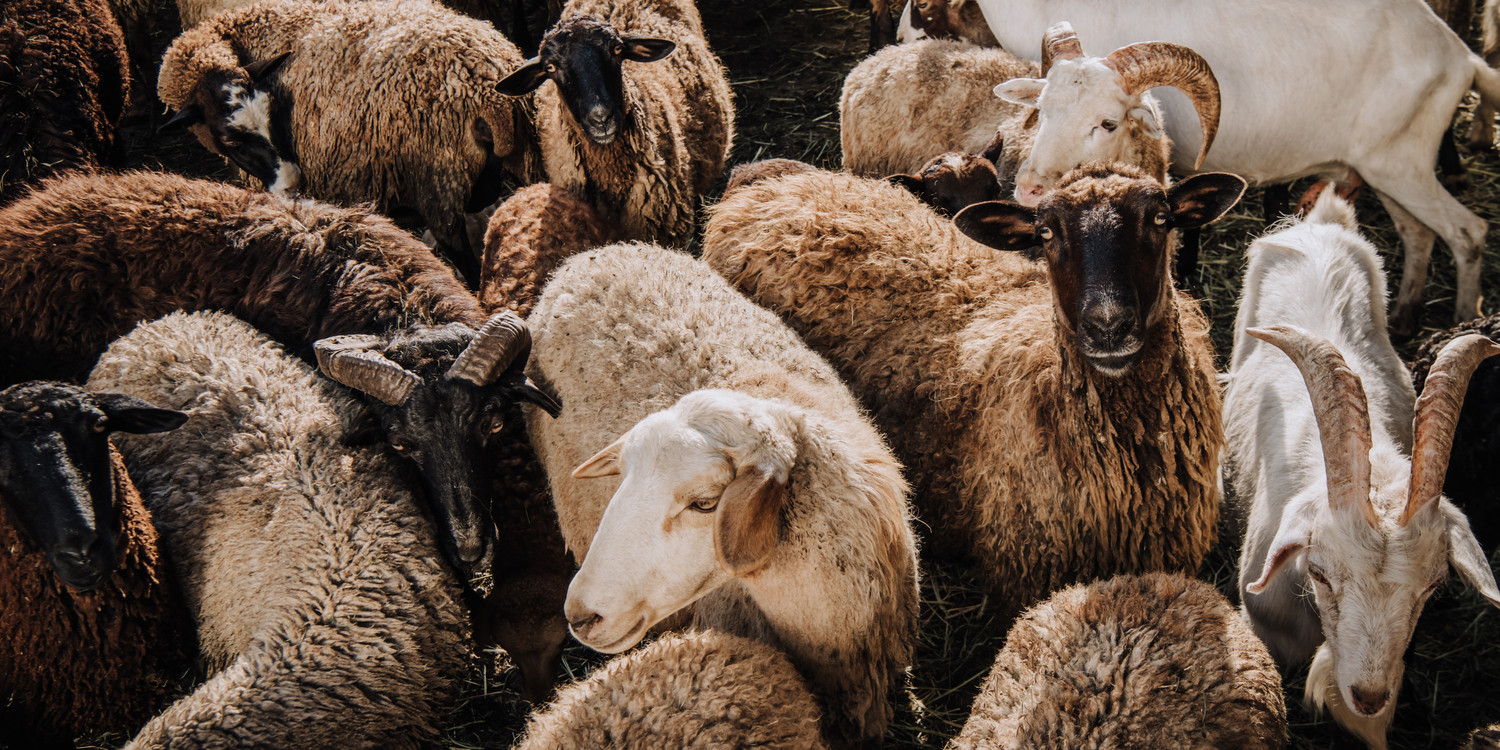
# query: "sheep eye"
{"type": "Point", "coordinates": [1161, 218]}
{"type": "Point", "coordinates": [705, 504]}
{"type": "Point", "coordinates": [551, 68]}
{"type": "Point", "coordinates": [1109, 125]}
{"type": "Point", "coordinates": [101, 424]}
{"type": "Point", "coordinates": [1045, 233]}
{"type": "Point", "coordinates": [1317, 575]}
{"type": "Point", "coordinates": [494, 423]}
{"type": "Point", "coordinates": [619, 49]}
{"type": "Point", "coordinates": [399, 447]}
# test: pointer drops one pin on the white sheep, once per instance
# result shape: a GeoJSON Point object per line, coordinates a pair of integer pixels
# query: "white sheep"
{"type": "Point", "coordinates": [1320, 448]}
{"type": "Point", "coordinates": [719, 466]}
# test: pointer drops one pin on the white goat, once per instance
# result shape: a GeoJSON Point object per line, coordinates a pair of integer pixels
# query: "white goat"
{"type": "Point", "coordinates": [1353, 514]}
{"type": "Point", "coordinates": [1309, 89]}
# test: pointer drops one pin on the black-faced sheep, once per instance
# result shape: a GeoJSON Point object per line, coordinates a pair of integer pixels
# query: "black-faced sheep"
{"type": "Point", "coordinates": [640, 117]}
{"type": "Point", "coordinates": [96, 634]}
{"type": "Point", "coordinates": [1134, 662]}
{"type": "Point", "coordinates": [88, 257]}
{"type": "Point", "coordinates": [64, 83]}
{"type": "Point", "coordinates": [319, 590]}
{"type": "Point", "coordinates": [284, 120]}
{"type": "Point", "coordinates": [1059, 421]}
{"type": "Point", "coordinates": [697, 691]}
{"type": "Point", "coordinates": [749, 489]}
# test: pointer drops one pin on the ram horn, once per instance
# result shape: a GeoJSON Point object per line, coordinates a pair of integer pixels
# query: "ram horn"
{"type": "Point", "coordinates": [353, 361]}
{"type": "Point", "coordinates": [1059, 43]}
{"type": "Point", "coordinates": [1150, 64]}
{"type": "Point", "coordinates": [1338, 400]}
{"type": "Point", "coordinates": [1437, 416]}
{"type": "Point", "coordinates": [498, 355]}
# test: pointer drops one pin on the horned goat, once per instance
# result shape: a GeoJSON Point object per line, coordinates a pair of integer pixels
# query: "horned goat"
{"type": "Point", "coordinates": [1320, 449]}
{"type": "Point", "coordinates": [739, 480]}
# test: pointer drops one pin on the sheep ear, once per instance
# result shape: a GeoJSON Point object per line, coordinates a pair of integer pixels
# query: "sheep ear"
{"type": "Point", "coordinates": [1203, 198]}
{"type": "Point", "coordinates": [1022, 91]}
{"type": "Point", "coordinates": [995, 147]}
{"type": "Point", "coordinates": [523, 80]}
{"type": "Point", "coordinates": [998, 224]}
{"type": "Point", "coordinates": [644, 49]}
{"type": "Point", "coordinates": [130, 414]}
{"type": "Point", "coordinates": [263, 69]}
{"type": "Point", "coordinates": [912, 183]}
{"type": "Point", "coordinates": [1468, 558]}
{"type": "Point", "coordinates": [747, 525]}
{"type": "Point", "coordinates": [192, 114]}
{"type": "Point", "coordinates": [605, 463]}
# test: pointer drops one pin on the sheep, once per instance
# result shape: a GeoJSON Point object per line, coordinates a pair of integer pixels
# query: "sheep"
{"type": "Point", "coordinates": [749, 172]}
{"type": "Point", "coordinates": [945, 19]}
{"type": "Point", "coordinates": [436, 371]}
{"type": "Point", "coordinates": [532, 232]}
{"type": "Point", "coordinates": [798, 532]}
{"type": "Point", "coordinates": [702, 691]}
{"type": "Point", "coordinates": [1485, 738]}
{"type": "Point", "coordinates": [954, 181]}
{"type": "Point", "coordinates": [194, 12]}
{"type": "Point", "coordinates": [1342, 501]}
{"type": "Point", "coordinates": [96, 634]}
{"type": "Point", "coordinates": [64, 84]}
{"type": "Point", "coordinates": [320, 594]}
{"type": "Point", "coordinates": [641, 142]}
{"type": "Point", "coordinates": [1058, 421]}
{"type": "Point", "coordinates": [264, 86]}
{"type": "Point", "coordinates": [1151, 661]}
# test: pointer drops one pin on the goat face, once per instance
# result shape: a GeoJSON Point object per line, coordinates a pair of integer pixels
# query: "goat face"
{"type": "Point", "coordinates": [56, 475]}
{"type": "Point", "coordinates": [245, 119]}
{"type": "Point", "coordinates": [700, 502]}
{"type": "Point", "coordinates": [1106, 234]}
{"type": "Point", "coordinates": [585, 58]}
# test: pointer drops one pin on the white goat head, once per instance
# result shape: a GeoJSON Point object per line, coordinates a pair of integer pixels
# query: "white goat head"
{"type": "Point", "coordinates": [1382, 541]}
{"type": "Point", "coordinates": [1096, 109]}
{"type": "Point", "coordinates": [700, 503]}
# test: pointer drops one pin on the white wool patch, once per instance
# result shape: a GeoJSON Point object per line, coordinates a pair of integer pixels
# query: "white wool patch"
{"type": "Point", "coordinates": [250, 112]}
{"type": "Point", "coordinates": [288, 177]}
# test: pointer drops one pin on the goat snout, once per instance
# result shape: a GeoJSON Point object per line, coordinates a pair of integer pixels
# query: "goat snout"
{"type": "Point", "coordinates": [1029, 192]}
{"type": "Point", "coordinates": [1369, 701]}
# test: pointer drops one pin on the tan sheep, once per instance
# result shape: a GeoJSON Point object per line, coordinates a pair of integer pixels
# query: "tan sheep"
{"type": "Point", "coordinates": [696, 691]}
{"type": "Point", "coordinates": [1050, 434]}
{"type": "Point", "coordinates": [1133, 663]}
{"type": "Point", "coordinates": [529, 236]}
{"type": "Point", "coordinates": [799, 532]}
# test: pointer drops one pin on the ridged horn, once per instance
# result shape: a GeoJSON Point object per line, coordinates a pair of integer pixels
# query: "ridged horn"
{"type": "Point", "coordinates": [352, 361]}
{"type": "Point", "coordinates": [1150, 64]}
{"type": "Point", "coordinates": [1338, 399]}
{"type": "Point", "coordinates": [1437, 416]}
{"type": "Point", "coordinates": [1059, 43]}
{"type": "Point", "coordinates": [502, 339]}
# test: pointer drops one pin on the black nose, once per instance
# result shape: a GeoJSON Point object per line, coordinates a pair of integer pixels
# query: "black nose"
{"type": "Point", "coordinates": [82, 560]}
{"type": "Point", "coordinates": [1108, 323]}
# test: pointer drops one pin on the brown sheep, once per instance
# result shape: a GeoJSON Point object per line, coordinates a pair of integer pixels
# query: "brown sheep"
{"type": "Point", "coordinates": [954, 181]}
{"type": "Point", "coordinates": [530, 234]}
{"type": "Point", "coordinates": [764, 169]}
{"type": "Point", "coordinates": [1053, 436]}
{"type": "Point", "coordinates": [947, 19]}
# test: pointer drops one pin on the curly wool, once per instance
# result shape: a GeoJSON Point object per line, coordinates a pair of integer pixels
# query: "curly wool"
{"type": "Point", "coordinates": [74, 662]}
{"type": "Point", "coordinates": [394, 57]}
{"type": "Point", "coordinates": [1153, 661]}
{"type": "Point", "coordinates": [86, 257]}
{"type": "Point", "coordinates": [316, 581]}
{"type": "Point", "coordinates": [696, 691]}
{"type": "Point", "coordinates": [64, 83]}
{"type": "Point", "coordinates": [531, 233]}
{"type": "Point", "coordinates": [676, 135]}
{"type": "Point", "coordinates": [1044, 471]}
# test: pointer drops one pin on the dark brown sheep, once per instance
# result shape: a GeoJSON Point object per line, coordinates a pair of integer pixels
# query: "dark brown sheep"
{"type": "Point", "coordinates": [954, 181]}
{"type": "Point", "coordinates": [64, 82]}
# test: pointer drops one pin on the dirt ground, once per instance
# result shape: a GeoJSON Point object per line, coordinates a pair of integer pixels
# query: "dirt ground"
{"type": "Point", "coordinates": [787, 60]}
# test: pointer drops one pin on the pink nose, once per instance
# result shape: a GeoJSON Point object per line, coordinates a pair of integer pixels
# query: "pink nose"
{"type": "Point", "coordinates": [1028, 193]}
{"type": "Point", "coordinates": [1369, 702]}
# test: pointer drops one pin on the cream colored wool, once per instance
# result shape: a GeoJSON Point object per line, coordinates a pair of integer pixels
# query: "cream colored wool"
{"type": "Point", "coordinates": [1131, 663]}
{"type": "Point", "coordinates": [386, 96]}
{"type": "Point", "coordinates": [627, 331]}
{"type": "Point", "coordinates": [696, 691]}
{"type": "Point", "coordinates": [1021, 456]}
{"type": "Point", "coordinates": [319, 592]}
{"type": "Point", "coordinates": [676, 135]}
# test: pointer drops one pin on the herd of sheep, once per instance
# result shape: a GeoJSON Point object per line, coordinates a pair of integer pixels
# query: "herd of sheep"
{"type": "Point", "coordinates": [273, 468]}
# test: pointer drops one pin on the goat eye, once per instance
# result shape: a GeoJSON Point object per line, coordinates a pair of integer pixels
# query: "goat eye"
{"type": "Point", "coordinates": [705, 504]}
{"type": "Point", "coordinates": [1161, 218]}
{"type": "Point", "coordinates": [1317, 575]}
{"type": "Point", "coordinates": [1109, 125]}
{"type": "Point", "coordinates": [1045, 233]}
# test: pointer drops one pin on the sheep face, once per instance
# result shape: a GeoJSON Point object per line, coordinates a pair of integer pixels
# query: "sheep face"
{"type": "Point", "coordinates": [953, 181]}
{"type": "Point", "coordinates": [584, 57]}
{"type": "Point", "coordinates": [1106, 234]}
{"type": "Point", "coordinates": [242, 117]}
{"type": "Point", "coordinates": [55, 471]}
{"type": "Point", "coordinates": [700, 502]}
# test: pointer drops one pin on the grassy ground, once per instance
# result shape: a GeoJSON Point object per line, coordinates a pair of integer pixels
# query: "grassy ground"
{"type": "Point", "coordinates": [787, 60]}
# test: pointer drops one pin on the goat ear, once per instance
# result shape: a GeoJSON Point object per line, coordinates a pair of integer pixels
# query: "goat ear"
{"type": "Point", "coordinates": [1468, 558]}
{"type": "Point", "coordinates": [1023, 91]}
{"type": "Point", "coordinates": [130, 414]}
{"type": "Point", "coordinates": [605, 463]}
{"type": "Point", "coordinates": [263, 69]}
{"type": "Point", "coordinates": [523, 80]}
{"type": "Point", "coordinates": [1148, 120]}
{"type": "Point", "coordinates": [644, 49]}
{"type": "Point", "coordinates": [1203, 198]}
{"type": "Point", "coordinates": [747, 526]}
{"type": "Point", "coordinates": [1292, 537]}
{"type": "Point", "coordinates": [912, 183]}
{"type": "Point", "coordinates": [998, 224]}
{"type": "Point", "coordinates": [192, 114]}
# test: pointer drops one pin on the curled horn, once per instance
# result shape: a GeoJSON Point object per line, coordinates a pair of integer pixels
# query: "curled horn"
{"type": "Point", "coordinates": [353, 361]}
{"type": "Point", "coordinates": [1437, 415]}
{"type": "Point", "coordinates": [502, 339]}
{"type": "Point", "coordinates": [1059, 43]}
{"type": "Point", "coordinates": [1338, 399]}
{"type": "Point", "coordinates": [1150, 64]}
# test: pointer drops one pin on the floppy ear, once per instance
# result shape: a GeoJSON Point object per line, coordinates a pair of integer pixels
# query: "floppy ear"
{"type": "Point", "coordinates": [1467, 557]}
{"type": "Point", "coordinates": [605, 463]}
{"type": "Point", "coordinates": [1203, 198]}
{"type": "Point", "coordinates": [192, 114]}
{"type": "Point", "coordinates": [1293, 536]}
{"type": "Point", "coordinates": [911, 182]}
{"type": "Point", "coordinates": [262, 69]}
{"type": "Point", "coordinates": [644, 49]}
{"type": "Point", "coordinates": [130, 414]}
{"type": "Point", "coordinates": [523, 80]}
{"type": "Point", "coordinates": [1023, 91]}
{"type": "Point", "coordinates": [747, 525]}
{"type": "Point", "coordinates": [998, 224]}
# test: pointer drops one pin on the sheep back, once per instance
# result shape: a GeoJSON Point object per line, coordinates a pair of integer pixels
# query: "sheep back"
{"type": "Point", "coordinates": [1149, 661]}
{"type": "Point", "coordinates": [531, 233]}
